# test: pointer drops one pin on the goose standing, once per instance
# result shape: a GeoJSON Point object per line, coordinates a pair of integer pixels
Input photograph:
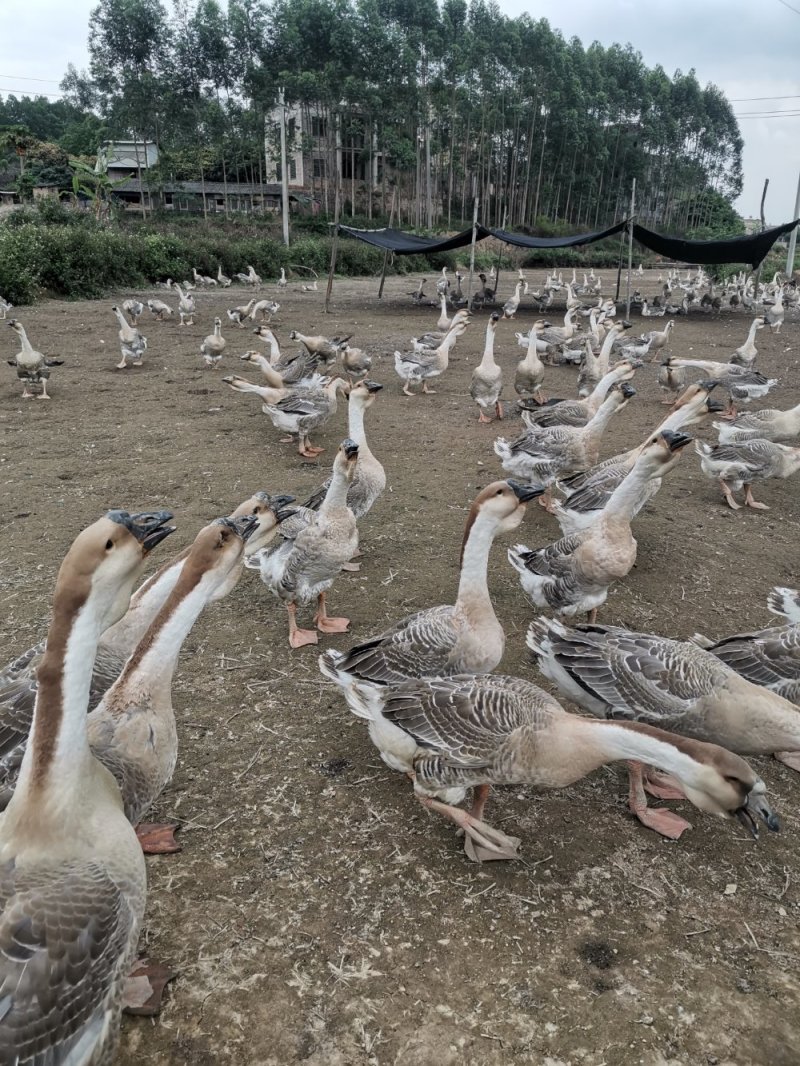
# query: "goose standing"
{"type": "Point", "coordinates": [5, 307]}
{"type": "Point", "coordinates": [282, 282]}
{"type": "Point", "coordinates": [222, 279]}
{"type": "Point", "coordinates": [132, 344]}
{"type": "Point", "coordinates": [530, 371]}
{"type": "Point", "coordinates": [742, 383]}
{"type": "Point", "coordinates": [477, 731]}
{"type": "Point", "coordinates": [134, 309]}
{"type": "Point", "coordinates": [317, 545]}
{"type": "Point", "coordinates": [186, 306]}
{"type": "Point", "coordinates": [740, 463]}
{"type": "Point", "coordinates": [238, 314]}
{"type": "Point", "coordinates": [355, 362]}
{"type": "Point", "coordinates": [511, 306]}
{"type": "Point", "coordinates": [158, 309]}
{"type": "Point", "coordinates": [33, 368]}
{"type": "Point", "coordinates": [745, 354]}
{"type": "Point", "coordinates": [578, 412]}
{"type": "Point", "coordinates": [419, 367]}
{"type": "Point", "coordinates": [213, 346]}
{"type": "Point", "coordinates": [73, 883]}
{"type": "Point", "coordinates": [486, 384]}
{"type": "Point", "coordinates": [770, 423]}
{"type": "Point", "coordinates": [265, 308]}
{"type": "Point", "coordinates": [774, 314]}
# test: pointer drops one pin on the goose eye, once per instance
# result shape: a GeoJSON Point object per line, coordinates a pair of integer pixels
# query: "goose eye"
{"type": "Point", "coordinates": [109, 545]}
{"type": "Point", "coordinates": [499, 492]}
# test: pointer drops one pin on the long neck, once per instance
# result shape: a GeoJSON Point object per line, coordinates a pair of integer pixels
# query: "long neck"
{"type": "Point", "coordinates": [448, 342]}
{"type": "Point", "coordinates": [602, 416]}
{"type": "Point", "coordinates": [532, 360]}
{"type": "Point", "coordinates": [622, 501]}
{"type": "Point", "coordinates": [597, 742]}
{"type": "Point", "coordinates": [121, 319]}
{"type": "Point", "coordinates": [336, 496]}
{"type": "Point", "coordinates": [23, 339]}
{"type": "Point", "coordinates": [751, 336]}
{"type": "Point", "coordinates": [605, 350]}
{"type": "Point", "coordinates": [472, 585]}
{"type": "Point", "coordinates": [601, 388]}
{"type": "Point", "coordinates": [146, 602]}
{"type": "Point", "coordinates": [153, 663]}
{"type": "Point", "coordinates": [355, 426]}
{"type": "Point", "coordinates": [487, 362]}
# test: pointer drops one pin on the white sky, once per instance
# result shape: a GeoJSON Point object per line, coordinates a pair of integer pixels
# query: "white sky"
{"type": "Point", "coordinates": [748, 49]}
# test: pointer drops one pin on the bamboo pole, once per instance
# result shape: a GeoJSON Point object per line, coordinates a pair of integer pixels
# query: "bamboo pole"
{"type": "Point", "coordinates": [472, 252]}
{"type": "Point", "coordinates": [793, 238]}
{"type": "Point", "coordinates": [386, 253]}
{"type": "Point", "coordinates": [334, 248]}
{"type": "Point", "coordinates": [630, 252]}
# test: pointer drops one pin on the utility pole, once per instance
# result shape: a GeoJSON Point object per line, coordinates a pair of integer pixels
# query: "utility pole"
{"type": "Point", "coordinates": [284, 170]}
{"type": "Point", "coordinates": [793, 238]}
{"type": "Point", "coordinates": [630, 252]}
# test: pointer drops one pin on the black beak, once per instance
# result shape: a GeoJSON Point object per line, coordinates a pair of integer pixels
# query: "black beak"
{"type": "Point", "coordinates": [676, 440]}
{"type": "Point", "coordinates": [627, 390]}
{"type": "Point", "coordinates": [244, 526]}
{"type": "Point", "coordinates": [149, 527]}
{"type": "Point", "coordinates": [277, 502]}
{"type": "Point", "coordinates": [524, 493]}
{"type": "Point", "coordinates": [350, 448]}
{"type": "Point", "coordinates": [625, 324]}
{"type": "Point", "coordinates": [372, 386]}
{"type": "Point", "coordinates": [708, 385]}
{"type": "Point", "coordinates": [714, 407]}
{"type": "Point", "coordinates": [284, 513]}
{"type": "Point", "coordinates": [756, 804]}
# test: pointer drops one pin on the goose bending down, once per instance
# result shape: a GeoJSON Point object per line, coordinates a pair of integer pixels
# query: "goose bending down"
{"type": "Point", "coordinates": [73, 881]}
{"type": "Point", "coordinates": [223, 280]}
{"type": "Point", "coordinates": [316, 547]}
{"type": "Point", "coordinates": [238, 314]}
{"type": "Point", "coordinates": [326, 349]}
{"type": "Point", "coordinates": [578, 412]}
{"type": "Point", "coordinates": [574, 574]}
{"type": "Point", "coordinates": [529, 375]}
{"type": "Point", "coordinates": [741, 382]}
{"type": "Point", "coordinates": [465, 637]}
{"type": "Point", "coordinates": [159, 310]}
{"type": "Point", "coordinates": [486, 383]}
{"type": "Point", "coordinates": [450, 734]}
{"type": "Point", "coordinates": [745, 354]}
{"type": "Point", "coordinates": [186, 306]}
{"type": "Point", "coordinates": [768, 424]}
{"type": "Point", "coordinates": [134, 309]}
{"type": "Point", "coordinates": [213, 346]}
{"type": "Point", "coordinates": [671, 684]}
{"type": "Point", "coordinates": [740, 463]}
{"type": "Point", "coordinates": [265, 308]}
{"type": "Point", "coordinates": [33, 368]}
{"type": "Point", "coordinates": [132, 344]}
{"type": "Point", "coordinates": [418, 367]}
{"type": "Point", "coordinates": [544, 454]}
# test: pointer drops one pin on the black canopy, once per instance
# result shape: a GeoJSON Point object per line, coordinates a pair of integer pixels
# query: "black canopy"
{"type": "Point", "coordinates": [750, 250]}
{"type": "Point", "coordinates": [395, 240]}
{"type": "Point", "coordinates": [521, 241]}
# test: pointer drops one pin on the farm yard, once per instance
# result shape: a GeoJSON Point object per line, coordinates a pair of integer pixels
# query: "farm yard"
{"type": "Point", "coordinates": [317, 913]}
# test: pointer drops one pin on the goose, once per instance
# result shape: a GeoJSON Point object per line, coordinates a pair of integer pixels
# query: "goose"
{"type": "Point", "coordinates": [5, 307]}
{"type": "Point", "coordinates": [418, 295]}
{"type": "Point", "coordinates": [559, 334]}
{"type": "Point", "coordinates": [313, 287]}
{"type": "Point", "coordinates": [213, 346]}
{"type": "Point", "coordinates": [298, 413]}
{"type": "Point", "coordinates": [158, 309]}
{"type": "Point", "coordinates": [250, 278]}
{"type": "Point", "coordinates": [443, 284]}
{"type": "Point", "coordinates": [530, 371]}
{"type": "Point", "coordinates": [265, 308]}
{"type": "Point", "coordinates": [511, 306]}
{"type": "Point", "coordinates": [485, 294]}
{"type": "Point", "coordinates": [433, 338]}
{"type": "Point", "coordinates": [545, 454]}
{"type": "Point", "coordinates": [134, 309]}
{"type": "Point", "coordinates": [767, 424]}
{"type": "Point", "coordinates": [282, 282]}
{"type": "Point", "coordinates": [589, 492]}
{"type": "Point", "coordinates": [132, 344]}
{"type": "Point", "coordinates": [238, 314]}
{"type": "Point", "coordinates": [294, 369]}
{"type": "Point", "coordinates": [444, 322]}
{"type": "Point", "coordinates": [486, 383]}
{"type": "Point", "coordinates": [450, 734]}
{"type": "Point", "coordinates": [186, 306]}
{"type": "Point", "coordinates": [222, 279]}
{"type": "Point", "coordinates": [741, 382]}
{"type": "Point", "coordinates": [164, 284]}
{"type": "Point", "coordinates": [740, 463]}
{"type": "Point", "coordinates": [465, 637]}
{"type": "Point", "coordinates": [198, 279]}
{"type": "Point", "coordinates": [671, 380]}
{"type": "Point", "coordinates": [637, 350]}
{"type": "Point", "coordinates": [774, 314]}
{"type": "Point", "coordinates": [419, 367]}
{"type": "Point", "coordinates": [317, 545]}
{"type": "Point", "coordinates": [745, 354]}
{"type": "Point", "coordinates": [326, 349]}
{"type": "Point", "coordinates": [577, 412]}
{"type": "Point", "coordinates": [670, 684]}
{"type": "Point", "coordinates": [265, 334]}
{"type": "Point", "coordinates": [33, 368]}
{"type": "Point", "coordinates": [573, 575]}
{"type": "Point", "coordinates": [594, 370]}
{"type": "Point", "coordinates": [355, 362]}
{"type": "Point", "coordinates": [651, 312]}
{"type": "Point", "coordinates": [73, 886]}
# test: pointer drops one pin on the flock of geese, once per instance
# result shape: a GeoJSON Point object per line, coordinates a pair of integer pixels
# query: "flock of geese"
{"type": "Point", "coordinates": [88, 737]}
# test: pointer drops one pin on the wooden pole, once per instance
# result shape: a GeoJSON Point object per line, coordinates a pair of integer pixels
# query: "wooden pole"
{"type": "Point", "coordinates": [334, 247]}
{"type": "Point", "coordinates": [793, 238]}
{"type": "Point", "coordinates": [630, 252]}
{"type": "Point", "coordinates": [763, 227]}
{"type": "Point", "coordinates": [284, 171]}
{"type": "Point", "coordinates": [500, 255]}
{"type": "Point", "coordinates": [386, 253]}
{"type": "Point", "coordinates": [619, 264]}
{"type": "Point", "coordinates": [472, 251]}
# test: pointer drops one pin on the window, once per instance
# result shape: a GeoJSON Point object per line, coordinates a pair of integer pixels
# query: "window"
{"type": "Point", "coordinates": [319, 126]}
{"type": "Point", "coordinates": [292, 170]}
{"type": "Point", "coordinates": [319, 168]}
{"type": "Point", "coordinates": [353, 166]}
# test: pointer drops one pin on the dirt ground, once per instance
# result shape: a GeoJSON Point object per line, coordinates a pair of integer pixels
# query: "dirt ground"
{"type": "Point", "coordinates": [317, 914]}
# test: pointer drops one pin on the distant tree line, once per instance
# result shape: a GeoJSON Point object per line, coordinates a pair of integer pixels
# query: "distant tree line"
{"type": "Point", "coordinates": [451, 102]}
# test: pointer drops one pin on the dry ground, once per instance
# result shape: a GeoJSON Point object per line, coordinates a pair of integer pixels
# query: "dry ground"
{"type": "Point", "coordinates": [317, 914]}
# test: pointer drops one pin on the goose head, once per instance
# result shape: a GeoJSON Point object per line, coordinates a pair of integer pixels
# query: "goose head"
{"type": "Point", "coordinates": [264, 508]}
{"type": "Point", "coordinates": [501, 506]}
{"type": "Point", "coordinates": [729, 787]}
{"type": "Point", "coordinates": [17, 326]}
{"type": "Point", "coordinates": [365, 393]}
{"type": "Point", "coordinates": [106, 559]}
{"type": "Point", "coordinates": [346, 459]}
{"type": "Point", "coordinates": [216, 557]}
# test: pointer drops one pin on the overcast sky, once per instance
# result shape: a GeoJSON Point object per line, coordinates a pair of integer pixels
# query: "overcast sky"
{"type": "Point", "coordinates": [750, 49]}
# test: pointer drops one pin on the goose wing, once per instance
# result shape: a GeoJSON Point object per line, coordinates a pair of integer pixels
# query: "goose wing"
{"type": "Point", "coordinates": [769, 657]}
{"type": "Point", "coordinates": [417, 646]}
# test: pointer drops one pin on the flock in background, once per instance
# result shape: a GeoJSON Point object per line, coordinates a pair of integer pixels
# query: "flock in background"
{"type": "Point", "coordinates": [681, 714]}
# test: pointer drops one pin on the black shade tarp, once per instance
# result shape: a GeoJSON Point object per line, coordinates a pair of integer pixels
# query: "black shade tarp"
{"type": "Point", "coordinates": [521, 241]}
{"type": "Point", "coordinates": [752, 249]}
{"type": "Point", "coordinates": [395, 240]}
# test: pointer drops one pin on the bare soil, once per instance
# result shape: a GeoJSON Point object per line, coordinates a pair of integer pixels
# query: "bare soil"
{"type": "Point", "coordinates": [317, 914]}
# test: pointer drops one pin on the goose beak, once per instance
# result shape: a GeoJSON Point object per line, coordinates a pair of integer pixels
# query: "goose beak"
{"type": "Point", "coordinates": [149, 527]}
{"type": "Point", "coordinates": [245, 525]}
{"type": "Point", "coordinates": [707, 385]}
{"type": "Point", "coordinates": [756, 804]}
{"type": "Point", "coordinates": [714, 407]}
{"type": "Point", "coordinates": [525, 493]}
{"type": "Point", "coordinates": [372, 386]}
{"type": "Point", "coordinates": [350, 449]}
{"type": "Point", "coordinates": [676, 440]}
{"type": "Point", "coordinates": [283, 513]}
{"type": "Point", "coordinates": [628, 391]}
{"type": "Point", "coordinates": [276, 503]}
